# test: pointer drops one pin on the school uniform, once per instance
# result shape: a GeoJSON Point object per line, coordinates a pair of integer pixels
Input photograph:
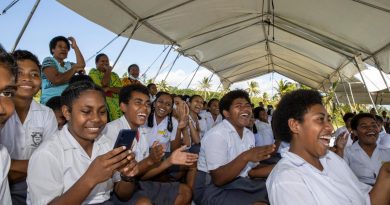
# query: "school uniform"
{"type": "Point", "coordinates": [5, 163]}
{"type": "Point", "coordinates": [341, 130]}
{"type": "Point", "coordinates": [157, 192]}
{"type": "Point", "coordinates": [219, 146]}
{"type": "Point", "coordinates": [59, 162]}
{"type": "Point", "coordinates": [295, 181]}
{"type": "Point", "coordinates": [384, 140]}
{"type": "Point", "coordinates": [265, 132]}
{"type": "Point", "coordinates": [22, 139]}
{"type": "Point", "coordinates": [366, 168]}
{"type": "Point", "coordinates": [160, 133]}
{"type": "Point", "coordinates": [210, 122]}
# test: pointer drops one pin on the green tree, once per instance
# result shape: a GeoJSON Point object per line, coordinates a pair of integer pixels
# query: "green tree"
{"type": "Point", "coordinates": [163, 86]}
{"type": "Point", "coordinates": [283, 87]}
{"type": "Point", "coordinates": [253, 88]}
{"type": "Point", "coordinates": [204, 87]}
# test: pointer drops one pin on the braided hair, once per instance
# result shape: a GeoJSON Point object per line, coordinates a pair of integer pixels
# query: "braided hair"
{"type": "Point", "coordinates": [151, 116]}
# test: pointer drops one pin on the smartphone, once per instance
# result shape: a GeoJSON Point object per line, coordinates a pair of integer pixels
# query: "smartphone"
{"type": "Point", "coordinates": [125, 138]}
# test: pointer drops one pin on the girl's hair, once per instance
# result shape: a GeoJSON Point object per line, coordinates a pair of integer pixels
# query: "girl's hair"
{"type": "Point", "coordinates": [20, 55]}
{"type": "Point", "coordinates": [99, 56]}
{"type": "Point", "coordinates": [211, 102]}
{"type": "Point", "coordinates": [8, 62]}
{"type": "Point", "coordinates": [151, 116]}
{"type": "Point", "coordinates": [191, 99]}
{"type": "Point", "coordinates": [73, 91]}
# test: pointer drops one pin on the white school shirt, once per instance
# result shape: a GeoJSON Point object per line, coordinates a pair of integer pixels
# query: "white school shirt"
{"type": "Point", "coordinates": [160, 133]}
{"type": "Point", "coordinates": [210, 122]}
{"type": "Point", "coordinates": [22, 139]}
{"type": "Point", "coordinates": [365, 168]}
{"type": "Point", "coordinates": [293, 181]}
{"type": "Point", "coordinates": [341, 130]}
{"type": "Point", "coordinates": [5, 163]}
{"type": "Point", "coordinates": [57, 165]}
{"type": "Point", "coordinates": [265, 132]}
{"type": "Point", "coordinates": [222, 144]}
{"type": "Point", "coordinates": [385, 140]}
{"type": "Point", "coordinates": [141, 147]}
{"type": "Point", "coordinates": [202, 125]}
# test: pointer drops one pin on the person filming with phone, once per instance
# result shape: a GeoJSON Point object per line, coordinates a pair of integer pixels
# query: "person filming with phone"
{"type": "Point", "coordinates": [56, 72]}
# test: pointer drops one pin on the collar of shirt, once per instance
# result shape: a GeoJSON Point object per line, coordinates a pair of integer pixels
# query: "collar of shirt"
{"type": "Point", "coordinates": [300, 162]}
{"type": "Point", "coordinates": [231, 129]}
{"type": "Point", "coordinates": [143, 130]}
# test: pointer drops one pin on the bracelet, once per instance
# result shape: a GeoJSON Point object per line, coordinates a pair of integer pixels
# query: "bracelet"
{"type": "Point", "coordinates": [128, 179]}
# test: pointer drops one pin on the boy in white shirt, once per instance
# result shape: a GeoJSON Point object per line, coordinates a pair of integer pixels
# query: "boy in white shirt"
{"type": "Point", "coordinates": [29, 126]}
{"type": "Point", "coordinates": [365, 157]}
{"type": "Point", "coordinates": [228, 158]}
{"type": "Point", "coordinates": [8, 72]}
{"type": "Point", "coordinates": [135, 104]}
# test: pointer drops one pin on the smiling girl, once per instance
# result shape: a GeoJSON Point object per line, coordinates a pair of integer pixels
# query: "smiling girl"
{"type": "Point", "coordinates": [78, 165]}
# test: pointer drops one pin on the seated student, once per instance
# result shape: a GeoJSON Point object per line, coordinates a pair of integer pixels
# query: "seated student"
{"type": "Point", "coordinates": [8, 72]}
{"type": "Point", "coordinates": [347, 117]}
{"type": "Point", "coordinates": [30, 124]}
{"type": "Point", "coordinates": [213, 116]}
{"type": "Point", "coordinates": [78, 165]}
{"type": "Point", "coordinates": [308, 173]}
{"type": "Point", "coordinates": [135, 104]}
{"type": "Point", "coordinates": [365, 157]}
{"type": "Point", "coordinates": [228, 158]}
{"type": "Point", "coordinates": [197, 125]}
{"type": "Point", "coordinates": [382, 132]}
{"type": "Point", "coordinates": [153, 91]}
{"type": "Point", "coordinates": [263, 128]}
{"type": "Point", "coordinates": [55, 104]}
{"type": "Point", "coordinates": [103, 76]}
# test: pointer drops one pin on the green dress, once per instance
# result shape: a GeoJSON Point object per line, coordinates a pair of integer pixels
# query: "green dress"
{"type": "Point", "coordinates": [111, 98]}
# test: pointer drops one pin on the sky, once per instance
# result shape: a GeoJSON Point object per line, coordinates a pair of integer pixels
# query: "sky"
{"type": "Point", "coordinates": [52, 19]}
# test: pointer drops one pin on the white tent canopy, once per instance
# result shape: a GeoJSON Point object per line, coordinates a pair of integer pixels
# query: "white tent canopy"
{"type": "Point", "coordinates": [309, 41]}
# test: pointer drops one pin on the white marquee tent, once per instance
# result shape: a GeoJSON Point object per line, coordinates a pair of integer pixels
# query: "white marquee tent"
{"type": "Point", "coordinates": [313, 42]}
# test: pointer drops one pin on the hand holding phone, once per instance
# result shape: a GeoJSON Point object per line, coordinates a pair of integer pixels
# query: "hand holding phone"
{"type": "Point", "coordinates": [126, 138]}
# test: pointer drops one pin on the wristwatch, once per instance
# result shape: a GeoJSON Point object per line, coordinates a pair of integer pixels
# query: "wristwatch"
{"type": "Point", "coordinates": [127, 178]}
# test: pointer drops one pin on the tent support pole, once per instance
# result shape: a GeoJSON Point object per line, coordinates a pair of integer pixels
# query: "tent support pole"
{"type": "Point", "coordinates": [350, 89]}
{"type": "Point", "coordinates": [25, 25]}
{"type": "Point", "coordinates": [177, 57]}
{"type": "Point", "coordinates": [162, 63]}
{"type": "Point", "coordinates": [346, 93]}
{"type": "Point", "coordinates": [193, 76]}
{"type": "Point", "coordinates": [135, 26]}
{"type": "Point", "coordinates": [380, 72]}
{"type": "Point", "coordinates": [360, 65]}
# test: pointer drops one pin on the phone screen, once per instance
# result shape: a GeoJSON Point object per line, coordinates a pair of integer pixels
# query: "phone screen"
{"type": "Point", "coordinates": [125, 138]}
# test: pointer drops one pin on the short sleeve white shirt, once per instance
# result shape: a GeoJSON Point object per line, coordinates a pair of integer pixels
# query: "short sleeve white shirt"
{"type": "Point", "coordinates": [20, 139]}
{"type": "Point", "coordinates": [222, 144]}
{"type": "Point", "coordinates": [341, 130]}
{"type": "Point", "coordinates": [202, 126]}
{"type": "Point", "coordinates": [141, 146]}
{"type": "Point", "coordinates": [294, 181]}
{"type": "Point", "coordinates": [160, 133]}
{"type": "Point", "coordinates": [265, 132]}
{"type": "Point", "coordinates": [384, 140]}
{"type": "Point", "coordinates": [58, 163]}
{"type": "Point", "coordinates": [5, 163]}
{"type": "Point", "coordinates": [365, 168]}
{"type": "Point", "coordinates": [210, 122]}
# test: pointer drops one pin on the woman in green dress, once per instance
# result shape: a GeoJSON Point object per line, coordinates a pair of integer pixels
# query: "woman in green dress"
{"type": "Point", "coordinates": [103, 76]}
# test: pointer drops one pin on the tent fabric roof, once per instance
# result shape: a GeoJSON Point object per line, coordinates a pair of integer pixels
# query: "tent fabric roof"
{"type": "Point", "coordinates": [309, 41]}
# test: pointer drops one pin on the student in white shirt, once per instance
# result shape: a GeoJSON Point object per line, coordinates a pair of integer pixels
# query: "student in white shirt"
{"type": "Point", "coordinates": [365, 157]}
{"type": "Point", "coordinates": [197, 124]}
{"type": "Point", "coordinates": [8, 71]}
{"type": "Point", "coordinates": [213, 116]}
{"type": "Point", "coordinates": [308, 173]}
{"type": "Point", "coordinates": [30, 124]}
{"type": "Point", "coordinates": [165, 129]}
{"type": "Point", "coordinates": [135, 104]}
{"type": "Point", "coordinates": [347, 117]}
{"type": "Point", "coordinates": [79, 165]}
{"type": "Point", "coordinates": [263, 127]}
{"type": "Point", "coordinates": [228, 156]}
{"type": "Point", "coordinates": [55, 104]}
{"type": "Point", "coordinates": [152, 91]}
